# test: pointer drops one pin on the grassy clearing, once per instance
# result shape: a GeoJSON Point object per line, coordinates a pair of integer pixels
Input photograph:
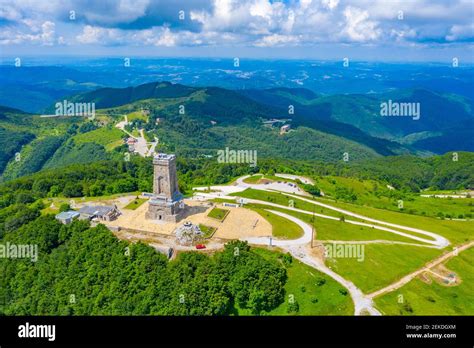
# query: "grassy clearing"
{"type": "Point", "coordinates": [420, 298]}
{"type": "Point", "coordinates": [281, 228]}
{"type": "Point", "coordinates": [315, 292]}
{"type": "Point", "coordinates": [327, 229]}
{"type": "Point", "coordinates": [457, 232]}
{"type": "Point", "coordinates": [254, 179]}
{"type": "Point", "coordinates": [223, 200]}
{"type": "Point", "coordinates": [284, 200]}
{"type": "Point", "coordinates": [137, 115]}
{"type": "Point", "coordinates": [218, 213]}
{"type": "Point", "coordinates": [135, 203]}
{"type": "Point", "coordinates": [382, 265]}
{"type": "Point", "coordinates": [375, 194]}
{"type": "Point", "coordinates": [329, 184]}
{"type": "Point", "coordinates": [423, 206]}
{"type": "Point", "coordinates": [207, 230]}
{"type": "Point", "coordinates": [109, 137]}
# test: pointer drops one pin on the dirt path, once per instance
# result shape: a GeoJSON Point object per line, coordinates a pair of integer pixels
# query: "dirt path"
{"type": "Point", "coordinates": [425, 268]}
{"type": "Point", "coordinates": [303, 179]}
{"type": "Point", "coordinates": [362, 303]}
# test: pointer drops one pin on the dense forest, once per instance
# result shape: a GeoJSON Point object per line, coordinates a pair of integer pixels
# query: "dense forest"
{"type": "Point", "coordinates": [87, 271]}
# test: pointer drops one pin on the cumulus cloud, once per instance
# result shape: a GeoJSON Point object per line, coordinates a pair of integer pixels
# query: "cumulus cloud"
{"type": "Point", "coordinates": [40, 33]}
{"type": "Point", "coordinates": [461, 32]}
{"type": "Point", "coordinates": [277, 40]}
{"type": "Point", "coordinates": [358, 25]}
{"type": "Point", "coordinates": [262, 23]}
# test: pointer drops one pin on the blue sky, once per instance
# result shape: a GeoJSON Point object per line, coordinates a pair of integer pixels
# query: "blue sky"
{"type": "Point", "coordinates": [408, 30]}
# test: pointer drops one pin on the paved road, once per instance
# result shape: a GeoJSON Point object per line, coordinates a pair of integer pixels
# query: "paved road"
{"type": "Point", "coordinates": [296, 247]}
{"type": "Point", "coordinates": [141, 146]}
{"type": "Point", "coordinates": [240, 185]}
{"type": "Point", "coordinates": [303, 179]}
{"type": "Point", "coordinates": [440, 241]}
{"type": "Point", "coordinates": [430, 242]}
{"type": "Point", "coordinates": [306, 238]}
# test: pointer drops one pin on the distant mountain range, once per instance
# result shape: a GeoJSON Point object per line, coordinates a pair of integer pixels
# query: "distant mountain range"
{"type": "Point", "coordinates": [445, 122]}
{"type": "Point", "coordinates": [38, 82]}
{"type": "Point", "coordinates": [322, 127]}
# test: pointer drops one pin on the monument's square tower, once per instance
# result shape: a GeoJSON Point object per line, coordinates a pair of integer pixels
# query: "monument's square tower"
{"type": "Point", "coordinates": [167, 202]}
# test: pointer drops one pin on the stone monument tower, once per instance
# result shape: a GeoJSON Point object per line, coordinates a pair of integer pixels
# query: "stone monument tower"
{"type": "Point", "coordinates": [167, 202]}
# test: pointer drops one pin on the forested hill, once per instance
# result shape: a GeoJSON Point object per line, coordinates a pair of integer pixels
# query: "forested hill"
{"type": "Point", "coordinates": [110, 97]}
{"type": "Point", "coordinates": [406, 173]}
{"type": "Point", "coordinates": [107, 276]}
{"type": "Point", "coordinates": [199, 121]}
{"type": "Point", "coordinates": [226, 107]}
{"type": "Point", "coordinates": [445, 123]}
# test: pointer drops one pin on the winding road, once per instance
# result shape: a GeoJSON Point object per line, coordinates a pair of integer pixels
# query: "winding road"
{"type": "Point", "coordinates": [299, 247]}
{"type": "Point", "coordinates": [296, 247]}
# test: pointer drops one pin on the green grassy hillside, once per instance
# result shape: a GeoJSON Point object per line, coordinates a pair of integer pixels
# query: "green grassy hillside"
{"type": "Point", "coordinates": [420, 298]}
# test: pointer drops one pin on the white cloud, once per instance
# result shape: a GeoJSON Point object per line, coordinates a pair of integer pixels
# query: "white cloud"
{"type": "Point", "coordinates": [330, 4]}
{"type": "Point", "coordinates": [40, 33]}
{"type": "Point", "coordinates": [358, 26]}
{"type": "Point", "coordinates": [236, 22]}
{"type": "Point", "coordinates": [276, 40]}
{"type": "Point", "coordinates": [461, 32]}
{"type": "Point", "coordinates": [91, 35]}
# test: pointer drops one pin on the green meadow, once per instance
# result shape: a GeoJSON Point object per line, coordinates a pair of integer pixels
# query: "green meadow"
{"type": "Point", "coordinates": [314, 292]}
{"type": "Point", "coordinates": [327, 229]}
{"type": "Point", "coordinates": [382, 265]}
{"type": "Point", "coordinates": [109, 137]}
{"type": "Point", "coordinates": [457, 232]}
{"type": "Point", "coordinates": [281, 228]}
{"type": "Point", "coordinates": [420, 298]}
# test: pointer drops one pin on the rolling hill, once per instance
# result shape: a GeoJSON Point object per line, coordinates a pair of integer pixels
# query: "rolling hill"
{"type": "Point", "coordinates": [445, 119]}
{"type": "Point", "coordinates": [197, 121]}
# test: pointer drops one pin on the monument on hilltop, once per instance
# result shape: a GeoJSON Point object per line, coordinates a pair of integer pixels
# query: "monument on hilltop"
{"type": "Point", "coordinates": [167, 202]}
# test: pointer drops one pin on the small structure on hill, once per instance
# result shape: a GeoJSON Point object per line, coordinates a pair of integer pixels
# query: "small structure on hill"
{"type": "Point", "coordinates": [188, 234]}
{"type": "Point", "coordinates": [99, 212]}
{"type": "Point", "coordinates": [66, 217]}
{"type": "Point", "coordinates": [131, 141]}
{"type": "Point", "coordinates": [285, 129]}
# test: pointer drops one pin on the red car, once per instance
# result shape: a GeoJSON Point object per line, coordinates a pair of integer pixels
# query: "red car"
{"type": "Point", "coordinates": [200, 246]}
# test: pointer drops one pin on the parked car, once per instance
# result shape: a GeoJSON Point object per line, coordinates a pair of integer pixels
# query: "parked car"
{"type": "Point", "coordinates": [200, 246]}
